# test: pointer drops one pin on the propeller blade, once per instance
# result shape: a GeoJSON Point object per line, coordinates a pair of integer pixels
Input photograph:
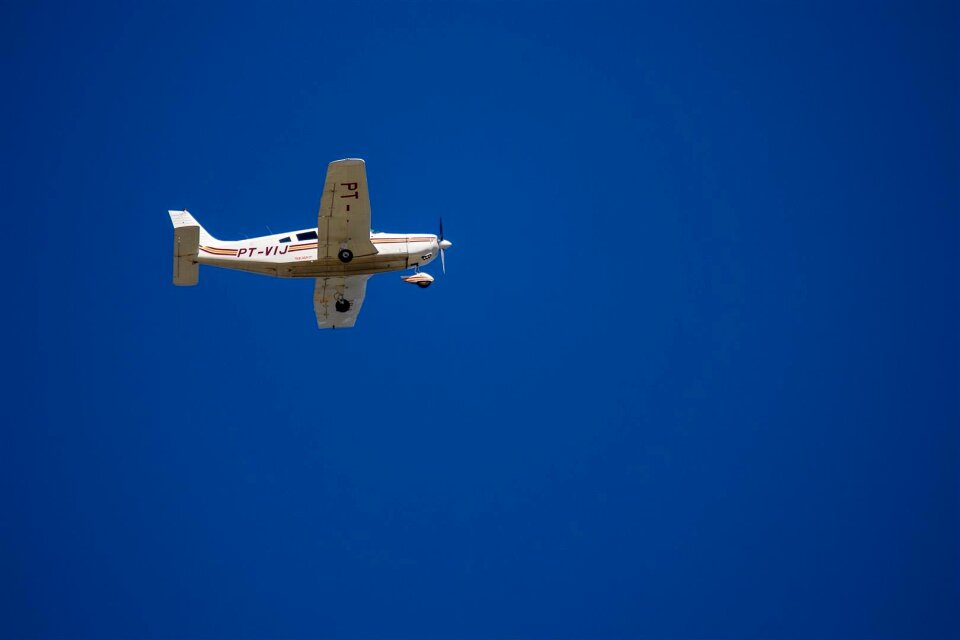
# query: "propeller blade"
{"type": "Point", "coordinates": [441, 229]}
{"type": "Point", "coordinates": [443, 262]}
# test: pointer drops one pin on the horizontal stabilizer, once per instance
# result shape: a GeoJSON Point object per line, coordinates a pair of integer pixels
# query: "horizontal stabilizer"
{"type": "Point", "coordinates": [186, 247]}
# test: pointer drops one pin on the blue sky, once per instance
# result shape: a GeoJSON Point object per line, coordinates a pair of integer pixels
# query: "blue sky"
{"type": "Point", "coordinates": [693, 371]}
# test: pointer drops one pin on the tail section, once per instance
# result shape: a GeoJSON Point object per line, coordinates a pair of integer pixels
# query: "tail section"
{"type": "Point", "coordinates": [188, 235]}
{"type": "Point", "coordinates": [184, 219]}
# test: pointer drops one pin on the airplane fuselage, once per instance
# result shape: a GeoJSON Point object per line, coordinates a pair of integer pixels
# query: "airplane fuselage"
{"type": "Point", "coordinates": [294, 255]}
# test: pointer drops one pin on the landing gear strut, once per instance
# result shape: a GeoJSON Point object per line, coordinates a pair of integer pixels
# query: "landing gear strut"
{"type": "Point", "coordinates": [345, 255]}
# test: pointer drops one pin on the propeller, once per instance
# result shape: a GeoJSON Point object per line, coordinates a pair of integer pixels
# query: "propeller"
{"type": "Point", "coordinates": [444, 244]}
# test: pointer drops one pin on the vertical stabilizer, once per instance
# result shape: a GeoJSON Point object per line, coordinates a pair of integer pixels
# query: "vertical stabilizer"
{"type": "Point", "coordinates": [184, 219]}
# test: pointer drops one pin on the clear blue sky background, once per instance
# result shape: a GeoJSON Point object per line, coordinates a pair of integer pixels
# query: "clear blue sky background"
{"type": "Point", "coordinates": [693, 371]}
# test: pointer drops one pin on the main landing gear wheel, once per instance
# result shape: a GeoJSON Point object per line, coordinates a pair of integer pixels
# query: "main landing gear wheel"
{"type": "Point", "coordinates": [423, 285]}
{"type": "Point", "coordinates": [345, 255]}
{"type": "Point", "coordinates": [342, 305]}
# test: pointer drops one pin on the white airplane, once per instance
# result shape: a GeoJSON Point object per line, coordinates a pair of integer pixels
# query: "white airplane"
{"type": "Point", "coordinates": [341, 252]}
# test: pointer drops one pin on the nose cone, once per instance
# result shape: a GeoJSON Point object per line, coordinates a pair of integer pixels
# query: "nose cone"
{"type": "Point", "coordinates": [445, 244]}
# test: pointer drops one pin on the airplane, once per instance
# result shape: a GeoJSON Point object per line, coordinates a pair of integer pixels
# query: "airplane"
{"type": "Point", "coordinates": [341, 252]}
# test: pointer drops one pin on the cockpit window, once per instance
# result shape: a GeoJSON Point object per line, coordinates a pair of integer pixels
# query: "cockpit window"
{"type": "Point", "coordinates": [308, 235]}
{"type": "Point", "coordinates": [287, 239]}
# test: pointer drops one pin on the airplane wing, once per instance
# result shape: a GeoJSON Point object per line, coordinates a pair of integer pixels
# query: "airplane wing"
{"type": "Point", "coordinates": [344, 217]}
{"type": "Point", "coordinates": [337, 300]}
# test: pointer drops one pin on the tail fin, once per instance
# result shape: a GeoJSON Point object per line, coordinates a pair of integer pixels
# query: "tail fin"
{"type": "Point", "coordinates": [184, 219]}
{"type": "Point", "coordinates": [187, 237]}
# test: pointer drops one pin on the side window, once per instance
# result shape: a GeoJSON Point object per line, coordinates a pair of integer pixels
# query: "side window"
{"type": "Point", "coordinates": [309, 235]}
{"type": "Point", "coordinates": [287, 239]}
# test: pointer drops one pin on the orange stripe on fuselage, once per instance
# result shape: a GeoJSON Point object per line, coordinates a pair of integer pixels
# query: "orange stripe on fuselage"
{"type": "Point", "coordinates": [218, 251]}
{"type": "Point", "coordinates": [405, 239]}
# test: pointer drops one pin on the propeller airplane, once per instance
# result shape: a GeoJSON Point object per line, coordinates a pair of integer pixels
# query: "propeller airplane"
{"type": "Point", "coordinates": [341, 252]}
